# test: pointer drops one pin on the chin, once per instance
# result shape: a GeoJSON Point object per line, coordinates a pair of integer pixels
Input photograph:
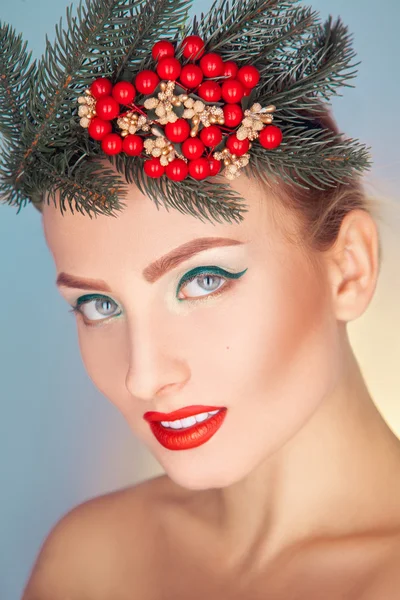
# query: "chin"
{"type": "Point", "coordinates": [193, 476]}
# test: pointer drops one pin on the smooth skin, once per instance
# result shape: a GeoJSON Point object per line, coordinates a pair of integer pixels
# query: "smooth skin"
{"type": "Point", "coordinates": [297, 496]}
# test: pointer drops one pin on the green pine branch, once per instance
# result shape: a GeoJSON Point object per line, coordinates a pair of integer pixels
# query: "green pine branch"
{"type": "Point", "coordinates": [300, 60]}
{"type": "Point", "coordinates": [299, 27]}
{"type": "Point", "coordinates": [11, 191]}
{"type": "Point", "coordinates": [226, 23]}
{"type": "Point", "coordinates": [207, 201]}
{"type": "Point", "coordinates": [79, 52]}
{"type": "Point", "coordinates": [319, 68]}
{"type": "Point", "coordinates": [87, 185]}
{"type": "Point", "coordinates": [16, 74]}
{"type": "Point", "coordinates": [155, 21]}
{"type": "Point", "coordinates": [315, 158]}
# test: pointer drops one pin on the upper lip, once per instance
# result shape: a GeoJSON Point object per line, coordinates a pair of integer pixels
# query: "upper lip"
{"type": "Point", "coordinates": [181, 413]}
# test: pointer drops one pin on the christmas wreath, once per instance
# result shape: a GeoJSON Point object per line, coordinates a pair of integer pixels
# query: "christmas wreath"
{"type": "Point", "coordinates": [171, 104]}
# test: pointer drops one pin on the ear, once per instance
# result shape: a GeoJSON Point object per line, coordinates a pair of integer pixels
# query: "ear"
{"type": "Point", "coordinates": [353, 265]}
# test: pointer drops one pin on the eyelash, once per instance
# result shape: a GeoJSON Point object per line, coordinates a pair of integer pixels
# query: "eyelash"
{"type": "Point", "coordinates": [186, 279]}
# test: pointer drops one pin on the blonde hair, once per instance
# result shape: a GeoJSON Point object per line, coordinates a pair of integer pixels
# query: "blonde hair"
{"type": "Point", "coordinates": [319, 213]}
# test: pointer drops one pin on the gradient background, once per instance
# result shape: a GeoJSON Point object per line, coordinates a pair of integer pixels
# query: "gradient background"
{"type": "Point", "coordinates": [61, 441]}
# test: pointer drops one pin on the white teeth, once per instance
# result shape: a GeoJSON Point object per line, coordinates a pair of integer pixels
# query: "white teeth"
{"type": "Point", "coordinates": [201, 417]}
{"type": "Point", "coordinates": [188, 421]}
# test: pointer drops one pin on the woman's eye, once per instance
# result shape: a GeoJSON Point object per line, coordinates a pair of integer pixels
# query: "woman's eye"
{"type": "Point", "coordinates": [95, 308]}
{"type": "Point", "coordinates": [198, 282]}
{"type": "Point", "coordinates": [205, 281]}
{"type": "Point", "coordinates": [200, 285]}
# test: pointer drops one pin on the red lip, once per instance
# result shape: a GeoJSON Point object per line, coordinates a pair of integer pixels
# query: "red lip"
{"type": "Point", "coordinates": [188, 437]}
{"type": "Point", "coordinates": [186, 411]}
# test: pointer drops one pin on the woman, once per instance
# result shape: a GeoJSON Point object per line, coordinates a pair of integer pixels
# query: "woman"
{"type": "Point", "coordinates": [297, 489]}
{"type": "Point", "coordinates": [286, 485]}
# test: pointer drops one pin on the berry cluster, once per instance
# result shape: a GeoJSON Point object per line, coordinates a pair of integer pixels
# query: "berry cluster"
{"type": "Point", "coordinates": [199, 77]}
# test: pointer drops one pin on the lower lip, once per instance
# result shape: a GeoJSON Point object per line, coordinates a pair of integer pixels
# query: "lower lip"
{"type": "Point", "coordinates": [192, 437]}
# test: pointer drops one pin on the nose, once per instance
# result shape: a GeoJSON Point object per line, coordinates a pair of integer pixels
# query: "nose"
{"type": "Point", "coordinates": [156, 367]}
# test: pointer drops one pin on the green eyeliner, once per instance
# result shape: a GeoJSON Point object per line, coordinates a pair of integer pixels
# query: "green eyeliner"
{"type": "Point", "coordinates": [190, 275]}
{"type": "Point", "coordinates": [89, 297]}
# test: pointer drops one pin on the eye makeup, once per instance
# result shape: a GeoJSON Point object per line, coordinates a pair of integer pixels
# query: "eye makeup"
{"type": "Point", "coordinates": [191, 275]}
{"type": "Point", "coordinates": [83, 300]}
{"type": "Point", "coordinates": [204, 271]}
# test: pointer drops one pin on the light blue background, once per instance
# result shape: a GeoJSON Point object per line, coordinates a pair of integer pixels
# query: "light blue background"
{"type": "Point", "coordinates": [61, 441]}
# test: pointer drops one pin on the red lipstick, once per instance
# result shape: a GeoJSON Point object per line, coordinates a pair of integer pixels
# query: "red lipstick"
{"type": "Point", "coordinates": [189, 437]}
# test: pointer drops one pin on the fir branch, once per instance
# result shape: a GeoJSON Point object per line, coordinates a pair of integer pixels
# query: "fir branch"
{"type": "Point", "coordinates": [157, 19]}
{"type": "Point", "coordinates": [210, 200]}
{"type": "Point", "coordinates": [318, 69]}
{"type": "Point", "coordinates": [299, 59]}
{"type": "Point", "coordinates": [300, 27]}
{"type": "Point", "coordinates": [89, 184]}
{"type": "Point", "coordinates": [317, 157]}
{"type": "Point", "coordinates": [224, 23]}
{"type": "Point", "coordinates": [16, 73]}
{"type": "Point", "coordinates": [11, 193]}
{"type": "Point", "coordinates": [79, 52]}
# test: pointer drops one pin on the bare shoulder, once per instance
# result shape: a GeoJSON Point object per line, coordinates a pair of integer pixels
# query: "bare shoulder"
{"type": "Point", "coordinates": [104, 538]}
{"type": "Point", "coordinates": [366, 566]}
{"type": "Point", "coordinates": [385, 580]}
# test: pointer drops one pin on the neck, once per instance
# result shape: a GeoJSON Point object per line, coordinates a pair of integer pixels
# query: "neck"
{"type": "Point", "coordinates": [330, 480]}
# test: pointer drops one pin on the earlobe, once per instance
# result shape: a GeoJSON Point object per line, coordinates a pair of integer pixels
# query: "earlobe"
{"type": "Point", "coordinates": [354, 265]}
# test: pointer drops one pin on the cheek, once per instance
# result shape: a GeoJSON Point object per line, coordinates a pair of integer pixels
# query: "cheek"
{"type": "Point", "coordinates": [104, 356]}
{"type": "Point", "coordinates": [273, 343]}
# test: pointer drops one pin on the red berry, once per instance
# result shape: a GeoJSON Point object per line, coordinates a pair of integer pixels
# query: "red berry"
{"type": "Point", "coordinates": [209, 91]}
{"type": "Point", "coordinates": [191, 76]}
{"type": "Point", "coordinates": [123, 92]}
{"type": "Point", "coordinates": [230, 69]}
{"type": "Point", "coordinates": [107, 108]}
{"type": "Point", "coordinates": [101, 87]}
{"type": "Point", "coordinates": [212, 64]}
{"type": "Point", "coordinates": [153, 167]}
{"type": "Point", "coordinates": [176, 170]}
{"type": "Point", "coordinates": [112, 143]}
{"type": "Point", "coordinates": [236, 146]}
{"type": "Point", "coordinates": [169, 68]}
{"type": "Point", "coordinates": [233, 115]}
{"type": "Point", "coordinates": [232, 91]}
{"type": "Point", "coordinates": [132, 145]}
{"type": "Point", "coordinates": [270, 137]}
{"type": "Point", "coordinates": [215, 165]}
{"type": "Point", "coordinates": [146, 81]}
{"type": "Point", "coordinates": [192, 147]}
{"type": "Point", "coordinates": [162, 49]}
{"type": "Point", "coordinates": [178, 131]}
{"type": "Point", "coordinates": [211, 136]}
{"type": "Point", "coordinates": [248, 76]}
{"type": "Point", "coordinates": [99, 128]}
{"type": "Point", "coordinates": [193, 47]}
{"type": "Point", "coordinates": [199, 168]}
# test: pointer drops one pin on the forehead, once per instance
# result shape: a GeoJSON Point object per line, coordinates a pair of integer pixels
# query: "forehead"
{"type": "Point", "coordinates": [145, 230]}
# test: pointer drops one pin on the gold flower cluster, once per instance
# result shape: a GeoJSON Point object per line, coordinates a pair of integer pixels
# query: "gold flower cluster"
{"type": "Point", "coordinates": [164, 104]}
{"type": "Point", "coordinates": [232, 163]}
{"type": "Point", "coordinates": [87, 108]}
{"type": "Point", "coordinates": [254, 121]}
{"type": "Point", "coordinates": [131, 122]}
{"type": "Point", "coordinates": [196, 110]}
{"type": "Point", "coordinates": [161, 147]}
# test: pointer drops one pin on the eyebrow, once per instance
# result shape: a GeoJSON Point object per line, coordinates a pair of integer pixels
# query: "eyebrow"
{"type": "Point", "coordinates": [154, 270]}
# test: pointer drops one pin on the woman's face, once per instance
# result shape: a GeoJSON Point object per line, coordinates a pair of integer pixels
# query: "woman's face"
{"type": "Point", "coordinates": [264, 345]}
